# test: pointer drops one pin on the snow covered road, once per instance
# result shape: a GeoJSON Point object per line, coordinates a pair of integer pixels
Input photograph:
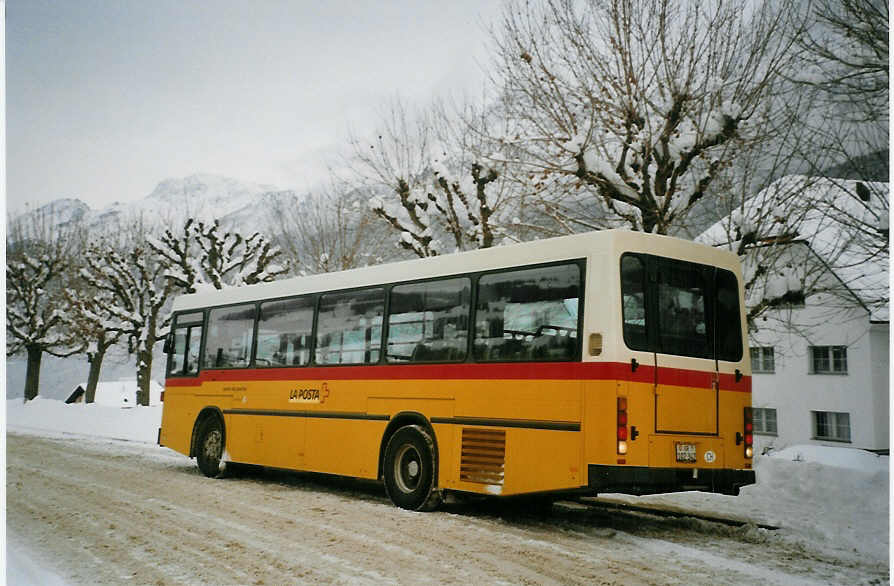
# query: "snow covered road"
{"type": "Point", "coordinates": [105, 511]}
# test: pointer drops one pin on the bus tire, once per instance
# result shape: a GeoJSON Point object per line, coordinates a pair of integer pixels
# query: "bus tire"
{"type": "Point", "coordinates": [209, 447]}
{"type": "Point", "coordinates": [409, 471]}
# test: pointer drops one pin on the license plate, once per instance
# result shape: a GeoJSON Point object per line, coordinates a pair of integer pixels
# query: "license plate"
{"type": "Point", "coordinates": [685, 452]}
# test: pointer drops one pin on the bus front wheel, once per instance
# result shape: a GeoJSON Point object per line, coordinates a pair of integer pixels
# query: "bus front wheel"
{"type": "Point", "coordinates": [209, 448]}
{"type": "Point", "coordinates": [410, 462]}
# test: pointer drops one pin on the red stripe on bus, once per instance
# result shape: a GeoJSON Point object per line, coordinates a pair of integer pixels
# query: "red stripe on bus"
{"type": "Point", "coordinates": [728, 382]}
{"type": "Point", "coordinates": [498, 371]}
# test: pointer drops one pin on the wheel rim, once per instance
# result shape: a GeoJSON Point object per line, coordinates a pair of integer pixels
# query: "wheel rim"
{"type": "Point", "coordinates": [407, 468]}
{"type": "Point", "coordinates": [211, 448]}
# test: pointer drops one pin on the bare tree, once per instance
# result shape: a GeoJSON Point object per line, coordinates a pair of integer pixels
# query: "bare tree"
{"type": "Point", "coordinates": [38, 270]}
{"type": "Point", "coordinates": [133, 278]}
{"type": "Point", "coordinates": [331, 229]}
{"type": "Point", "coordinates": [96, 324]}
{"type": "Point", "coordinates": [428, 185]}
{"type": "Point", "coordinates": [633, 108]}
{"type": "Point", "coordinates": [204, 254]}
{"type": "Point", "coordinates": [837, 202]}
{"type": "Point", "coordinates": [845, 62]}
{"type": "Point", "coordinates": [845, 56]}
{"type": "Point", "coordinates": [36, 321]}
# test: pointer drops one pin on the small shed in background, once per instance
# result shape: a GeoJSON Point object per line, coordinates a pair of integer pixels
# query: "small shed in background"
{"type": "Point", "coordinates": [118, 393]}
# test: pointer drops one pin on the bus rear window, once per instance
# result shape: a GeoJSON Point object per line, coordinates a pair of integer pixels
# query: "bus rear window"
{"type": "Point", "coordinates": [681, 308]}
{"type": "Point", "coordinates": [682, 325]}
{"type": "Point", "coordinates": [530, 314]}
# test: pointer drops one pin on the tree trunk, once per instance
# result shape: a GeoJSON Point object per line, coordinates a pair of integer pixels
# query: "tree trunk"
{"type": "Point", "coordinates": [32, 377]}
{"type": "Point", "coordinates": [144, 373]}
{"type": "Point", "coordinates": [93, 377]}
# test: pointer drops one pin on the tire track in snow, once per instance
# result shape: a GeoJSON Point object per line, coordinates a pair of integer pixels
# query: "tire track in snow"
{"type": "Point", "coordinates": [108, 513]}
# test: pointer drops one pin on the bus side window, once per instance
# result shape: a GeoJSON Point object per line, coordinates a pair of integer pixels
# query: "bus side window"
{"type": "Point", "coordinates": [528, 314]}
{"type": "Point", "coordinates": [428, 322]}
{"type": "Point", "coordinates": [192, 350]}
{"type": "Point", "coordinates": [349, 327]}
{"type": "Point", "coordinates": [177, 355]}
{"type": "Point", "coordinates": [230, 333]}
{"type": "Point", "coordinates": [284, 330]}
{"type": "Point", "coordinates": [633, 302]}
{"type": "Point", "coordinates": [187, 342]}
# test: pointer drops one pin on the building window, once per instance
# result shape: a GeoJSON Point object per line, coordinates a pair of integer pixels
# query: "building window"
{"type": "Point", "coordinates": [828, 360]}
{"type": "Point", "coordinates": [762, 360]}
{"type": "Point", "coordinates": [831, 426]}
{"type": "Point", "coordinates": [764, 421]}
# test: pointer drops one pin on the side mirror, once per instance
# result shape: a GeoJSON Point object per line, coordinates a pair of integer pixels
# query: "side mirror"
{"type": "Point", "coordinates": [169, 343]}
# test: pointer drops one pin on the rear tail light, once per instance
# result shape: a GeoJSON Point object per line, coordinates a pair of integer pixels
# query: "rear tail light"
{"type": "Point", "coordinates": [162, 398]}
{"type": "Point", "coordinates": [748, 426]}
{"type": "Point", "coordinates": [622, 425]}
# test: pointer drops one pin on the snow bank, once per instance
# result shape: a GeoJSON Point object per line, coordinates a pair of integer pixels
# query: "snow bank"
{"type": "Point", "coordinates": [828, 495]}
{"type": "Point", "coordinates": [52, 417]}
{"type": "Point", "coordinates": [835, 499]}
{"type": "Point", "coordinates": [851, 458]}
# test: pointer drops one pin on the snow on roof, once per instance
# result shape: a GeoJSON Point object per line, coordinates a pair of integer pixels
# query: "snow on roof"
{"type": "Point", "coordinates": [841, 220]}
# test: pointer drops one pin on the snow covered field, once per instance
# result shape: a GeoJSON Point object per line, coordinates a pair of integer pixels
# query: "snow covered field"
{"type": "Point", "coordinates": [830, 503]}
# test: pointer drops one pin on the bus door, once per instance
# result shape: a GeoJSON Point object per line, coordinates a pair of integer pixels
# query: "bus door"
{"type": "Point", "coordinates": [686, 384]}
{"type": "Point", "coordinates": [278, 431]}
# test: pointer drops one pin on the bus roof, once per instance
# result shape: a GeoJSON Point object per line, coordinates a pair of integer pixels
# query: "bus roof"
{"type": "Point", "coordinates": [538, 251]}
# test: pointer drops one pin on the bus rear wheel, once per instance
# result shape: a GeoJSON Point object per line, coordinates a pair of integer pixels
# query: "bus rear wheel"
{"type": "Point", "coordinates": [209, 448]}
{"type": "Point", "coordinates": [410, 463]}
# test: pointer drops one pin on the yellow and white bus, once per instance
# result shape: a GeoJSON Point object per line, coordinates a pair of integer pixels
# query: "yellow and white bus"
{"type": "Point", "coordinates": [608, 361]}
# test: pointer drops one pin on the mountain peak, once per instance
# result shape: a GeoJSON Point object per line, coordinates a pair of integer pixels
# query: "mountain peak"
{"type": "Point", "coordinates": [238, 204]}
{"type": "Point", "coordinates": [201, 195]}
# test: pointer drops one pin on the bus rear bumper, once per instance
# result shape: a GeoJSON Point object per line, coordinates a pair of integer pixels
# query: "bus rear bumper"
{"type": "Point", "coordinates": [645, 480]}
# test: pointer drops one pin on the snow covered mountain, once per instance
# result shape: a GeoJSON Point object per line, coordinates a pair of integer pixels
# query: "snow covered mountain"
{"type": "Point", "coordinates": [238, 204]}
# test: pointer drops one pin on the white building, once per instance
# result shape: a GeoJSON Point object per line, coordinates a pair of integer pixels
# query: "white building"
{"type": "Point", "coordinates": [820, 367]}
{"type": "Point", "coordinates": [820, 348]}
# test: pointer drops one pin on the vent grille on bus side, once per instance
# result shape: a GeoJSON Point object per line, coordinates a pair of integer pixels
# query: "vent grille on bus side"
{"type": "Point", "coordinates": [483, 456]}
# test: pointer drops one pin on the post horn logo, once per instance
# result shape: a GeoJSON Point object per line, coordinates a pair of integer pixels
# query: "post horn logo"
{"type": "Point", "coordinates": [310, 395]}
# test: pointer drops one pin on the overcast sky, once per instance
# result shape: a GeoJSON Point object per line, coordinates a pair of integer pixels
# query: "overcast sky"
{"type": "Point", "coordinates": [105, 98]}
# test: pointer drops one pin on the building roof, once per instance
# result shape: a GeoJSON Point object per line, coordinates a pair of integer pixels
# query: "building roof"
{"type": "Point", "coordinates": [844, 222]}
